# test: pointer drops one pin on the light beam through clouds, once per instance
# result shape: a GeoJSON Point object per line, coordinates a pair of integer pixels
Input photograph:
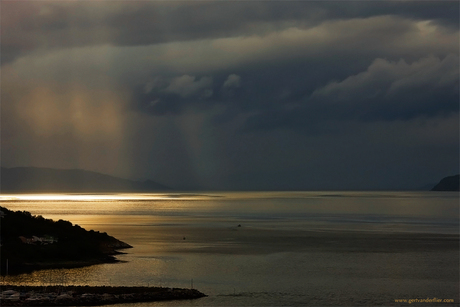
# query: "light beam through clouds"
{"type": "Point", "coordinates": [246, 95]}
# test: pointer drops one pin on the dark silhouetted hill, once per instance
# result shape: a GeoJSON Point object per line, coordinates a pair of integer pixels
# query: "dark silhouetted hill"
{"type": "Point", "coordinates": [34, 179]}
{"type": "Point", "coordinates": [450, 183]}
{"type": "Point", "coordinates": [32, 242]}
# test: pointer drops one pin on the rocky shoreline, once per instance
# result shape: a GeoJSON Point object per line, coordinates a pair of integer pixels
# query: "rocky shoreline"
{"type": "Point", "coordinates": [12, 295]}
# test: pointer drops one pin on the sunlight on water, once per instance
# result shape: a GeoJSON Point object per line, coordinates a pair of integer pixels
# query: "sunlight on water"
{"type": "Point", "coordinates": [258, 248]}
{"type": "Point", "coordinates": [98, 197]}
{"type": "Point", "coordinates": [350, 206]}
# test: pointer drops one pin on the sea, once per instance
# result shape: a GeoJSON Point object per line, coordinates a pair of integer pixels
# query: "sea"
{"type": "Point", "coordinates": [328, 248]}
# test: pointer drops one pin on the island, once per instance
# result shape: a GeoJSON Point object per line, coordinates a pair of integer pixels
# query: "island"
{"type": "Point", "coordinates": [32, 242]}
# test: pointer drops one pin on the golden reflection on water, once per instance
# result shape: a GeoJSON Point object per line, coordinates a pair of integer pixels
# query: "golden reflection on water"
{"type": "Point", "coordinates": [260, 242]}
{"type": "Point", "coordinates": [51, 277]}
{"type": "Point", "coordinates": [99, 197]}
{"type": "Point", "coordinates": [240, 204]}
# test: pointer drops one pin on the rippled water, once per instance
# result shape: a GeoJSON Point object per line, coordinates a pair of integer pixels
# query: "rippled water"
{"type": "Point", "coordinates": [277, 248]}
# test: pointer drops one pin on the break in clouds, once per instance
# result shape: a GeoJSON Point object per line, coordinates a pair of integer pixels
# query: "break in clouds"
{"type": "Point", "coordinates": [245, 95]}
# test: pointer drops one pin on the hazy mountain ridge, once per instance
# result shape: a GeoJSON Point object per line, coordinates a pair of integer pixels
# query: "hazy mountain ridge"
{"type": "Point", "coordinates": [35, 179]}
{"type": "Point", "coordinates": [450, 183]}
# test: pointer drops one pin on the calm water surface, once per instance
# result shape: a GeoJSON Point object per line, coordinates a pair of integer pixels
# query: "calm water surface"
{"type": "Point", "coordinates": [259, 248]}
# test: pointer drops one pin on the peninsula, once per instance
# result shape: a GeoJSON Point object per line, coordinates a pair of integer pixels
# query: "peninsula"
{"type": "Point", "coordinates": [32, 242]}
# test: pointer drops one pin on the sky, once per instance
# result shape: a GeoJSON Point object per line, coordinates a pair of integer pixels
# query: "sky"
{"type": "Point", "coordinates": [241, 95]}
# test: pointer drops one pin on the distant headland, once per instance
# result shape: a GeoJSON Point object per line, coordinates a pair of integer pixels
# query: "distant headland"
{"type": "Point", "coordinates": [49, 180]}
{"type": "Point", "coordinates": [32, 242]}
{"type": "Point", "coordinates": [450, 183]}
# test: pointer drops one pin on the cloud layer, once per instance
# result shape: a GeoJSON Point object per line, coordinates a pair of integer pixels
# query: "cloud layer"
{"type": "Point", "coordinates": [244, 95]}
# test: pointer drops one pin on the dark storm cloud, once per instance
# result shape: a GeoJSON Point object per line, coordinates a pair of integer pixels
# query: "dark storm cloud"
{"type": "Point", "coordinates": [284, 67]}
{"type": "Point", "coordinates": [234, 95]}
{"type": "Point", "coordinates": [162, 96]}
{"type": "Point", "coordinates": [271, 76]}
{"type": "Point", "coordinates": [48, 25]}
{"type": "Point", "coordinates": [443, 12]}
{"type": "Point", "coordinates": [386, 91]}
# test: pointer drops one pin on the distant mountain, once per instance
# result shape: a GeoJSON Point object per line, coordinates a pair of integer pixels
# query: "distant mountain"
{"type": "Point", "coordinates": [34, 179]}
{"type": "Point", "coordinates": [450, 183]}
